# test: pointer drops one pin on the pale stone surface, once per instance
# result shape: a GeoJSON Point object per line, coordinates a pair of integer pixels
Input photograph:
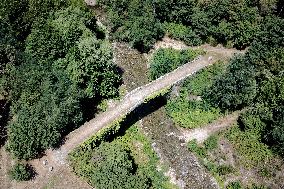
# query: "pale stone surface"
{"type": "Point", "coordinates": [91, 2]}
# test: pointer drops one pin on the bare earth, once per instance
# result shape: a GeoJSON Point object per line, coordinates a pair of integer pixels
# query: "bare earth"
{"type": "Point", "coordinates": [201, 134]}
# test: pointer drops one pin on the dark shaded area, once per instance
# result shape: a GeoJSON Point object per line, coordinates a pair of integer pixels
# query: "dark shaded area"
{"type": "Point", "coordinates": [31, 171]}
{"type": "Point", "coordinates": [91, 24]}
{"type": "Point", "coordinates": [131, 118]}
{"type": "Point", "coordinates": [4, 117]}
{"type": "Point", "coordinates": [137, 114]}
{"type": "Point", "coordinates": [280, 8]}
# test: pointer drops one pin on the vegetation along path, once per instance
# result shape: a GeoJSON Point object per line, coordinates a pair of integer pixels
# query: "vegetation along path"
{"type": "Point", "coordinates": [57, 158]}
{"type": "Point", "coordinates": [127, 104]}
{"type": "Point", "coordinates": [130, 102]}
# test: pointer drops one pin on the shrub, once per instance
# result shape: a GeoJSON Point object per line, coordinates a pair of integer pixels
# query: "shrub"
{"type": "Point", "coordinates": [237, 87]}
{"type": "Point", "coordinates": [134, 22]}
{"type": "Point", "coordinates": [183, 33]}
{"type": "Point", "coordinates": [234, 185]}
{"type": "Point", "coordinates": [224, 169]}
{"type": "Point", "coordinates": [211, 143]}
{"type": "Point", "coordinates": [166, 60]}
{"type": "Point", "coordinates": [20, 172]}
{"type": "Point", "coordinates": [191, 114]}
{"type": "Point", "coordinates": [195, 148]}
{"type": "Point", "coordinates": [204, 79]}
{"type": "Point", "coordinates": [251, 150]}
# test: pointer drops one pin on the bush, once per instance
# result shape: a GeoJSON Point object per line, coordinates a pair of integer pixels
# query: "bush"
{"type": "Point", "coordinates": [234, 185]}
{"type": "Point", "coordinates": [114, 168]}
{"type": "Point", "coordinates": [224, 169]}
{"type": "Point", "coordinates": [191, 114]}
{"type": "Point", "coordinates": [167, 60]}
{"type": "Point", "coordinates": [237, 87]}
{"type": "Point", "coordinates": [211, 143]}
{"type": "Point", "coordinates": [198, 150]}
{"type": "Point", "coordinates": [183, 33]}
{"type": "Point", "coordinates": [20, 172]}
{"type": "Point", "coordinates": [134, 22]}
{"type": "Point", "coordinates": [199, 83]}
{"type": "Point", "coordinates": [251, 150]}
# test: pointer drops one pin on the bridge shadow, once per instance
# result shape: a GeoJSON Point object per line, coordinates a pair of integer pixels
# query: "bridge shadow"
{"type": "Point", "coordinates": [137, 114]}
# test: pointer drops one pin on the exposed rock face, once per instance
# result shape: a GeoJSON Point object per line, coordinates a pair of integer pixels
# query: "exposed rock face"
{"type": "Point", "coordinates": [91, 2]}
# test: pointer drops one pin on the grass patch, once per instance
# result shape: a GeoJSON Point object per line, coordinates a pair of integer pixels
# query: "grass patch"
{"type": "Point", "coordinates": [191, 114]}
{"type": "Point", "coordinates": [252, 152]}
{"type": "Point", "coordinates": [166, 60]}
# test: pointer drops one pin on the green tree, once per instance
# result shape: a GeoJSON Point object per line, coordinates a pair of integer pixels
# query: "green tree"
{"type": "Point", "coordinates": [236, 89]}
{"type": "Point", "coordinates": [45, 105]}
{"type": "Point", "coordinates": [20, 172]}
{"type": "Point", "coordinates": [111, 166]}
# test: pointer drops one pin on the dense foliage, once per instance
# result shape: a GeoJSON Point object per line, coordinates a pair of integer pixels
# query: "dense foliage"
{"type": "Point", "coordinates": [59, 61]}
{"type": "Point", "coordinates": [234, 23]}
{"type": "Point", "coordinates": [20, 172]}
{"type": "Point", "coordinates": [188, 109]}
{"type": "Point", "coordinates": [133, 21]}
{"type": "Point", "coordinates": [256, 80]}
{"type": "Point", "coordinates": [167, 60]}
{"type": "Point", "coordinates": [126, 162]}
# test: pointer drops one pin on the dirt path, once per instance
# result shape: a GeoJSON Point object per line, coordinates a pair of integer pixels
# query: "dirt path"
{"type": "Point", "coordinates": [201, 134]}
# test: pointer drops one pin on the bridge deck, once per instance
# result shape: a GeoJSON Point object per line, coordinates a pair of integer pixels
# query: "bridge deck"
{"type": "Point", "coordinates": [128, 103]}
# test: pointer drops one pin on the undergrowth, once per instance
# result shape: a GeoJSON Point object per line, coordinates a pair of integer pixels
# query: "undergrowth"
{"type": "Point", "coordinates": [130, 163]}
{"type": "Point", "coordinates": [189, 110]}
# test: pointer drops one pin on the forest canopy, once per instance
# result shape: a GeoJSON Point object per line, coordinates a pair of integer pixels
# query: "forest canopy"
{"type": "Point", "coordinates": [234, 23]}
{"type": "Point", "coordinates": [51, 64]}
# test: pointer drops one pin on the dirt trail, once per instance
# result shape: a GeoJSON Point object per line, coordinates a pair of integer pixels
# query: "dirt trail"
{"type": "Point", "coordinates": [201, 134]}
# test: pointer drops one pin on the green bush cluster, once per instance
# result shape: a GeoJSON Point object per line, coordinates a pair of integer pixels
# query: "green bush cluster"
{"type": "Point", "coordinates": [111, 166]}
{"type": "Point", "coordinates": [197, 149]}
{"type": "Point", "coordinates": [234, 185]}
{"type": "Point", "coordinates": [133, 21]}
{"type": "Point", "coordinates": [20, 172]}
{"type": "Point", "coordinates": [233, 23]}
{"type": "Point", "coordinates": [119, 163]}
{"type": "Point", "coordinates": [251, 150]}
{"type": "Point", "coordinates": [48, 71]}
{"type": "Point", "coordinates": [203, 79]}
{"type": "Point", "coordinates": [191, 114]}
{"type": "Point", "coordinates": [167, 60]}
{"type": "Point", "coordinates": [183, 33]}
{"type": "Point", "coordinates": [211, 142]}
{"type": "Point", "coordinates": [255, 80]}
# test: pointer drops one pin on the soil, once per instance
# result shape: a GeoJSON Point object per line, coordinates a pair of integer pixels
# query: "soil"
{"type": "Point", "coordinates": [202, 133]}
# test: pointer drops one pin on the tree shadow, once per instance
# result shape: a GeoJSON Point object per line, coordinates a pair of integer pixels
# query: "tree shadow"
{"type": "Point", "coordinates": [137, 114]}
{"type": "Point", "coordinates": [4, 118]}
